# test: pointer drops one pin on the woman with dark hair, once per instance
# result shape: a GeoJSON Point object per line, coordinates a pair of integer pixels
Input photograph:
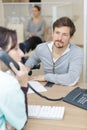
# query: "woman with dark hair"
{"type": "Point", "coordinates": [13, 85]}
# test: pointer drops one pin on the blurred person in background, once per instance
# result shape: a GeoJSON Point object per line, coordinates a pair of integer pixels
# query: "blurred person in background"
{"type": "Point", "coordinates": [36, 24]}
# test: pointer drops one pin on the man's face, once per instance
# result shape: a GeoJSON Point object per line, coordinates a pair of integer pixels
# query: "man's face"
{"type": "Point", "coordinates": [61, 36]}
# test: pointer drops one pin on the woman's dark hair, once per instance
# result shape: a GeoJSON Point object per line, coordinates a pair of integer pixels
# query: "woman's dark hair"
{"type": "Point", "coordinates": [38, 7]}
{"type": "Point", "coordinates": [5, 35]}
{"type": "Point", "coordinates": [65, 21]}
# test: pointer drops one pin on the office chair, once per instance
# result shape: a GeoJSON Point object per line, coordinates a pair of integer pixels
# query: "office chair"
{"type": "Point", "coordinates": [26, 46]}
{"type": "Point", "coordinates": [30, 44]}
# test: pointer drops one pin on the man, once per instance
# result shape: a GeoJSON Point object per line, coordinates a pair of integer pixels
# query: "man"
{"type": "Point", "coordinates": [62, 61]}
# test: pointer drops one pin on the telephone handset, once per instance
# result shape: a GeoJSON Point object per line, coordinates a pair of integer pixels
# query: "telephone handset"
{"type": "Point", "coordinates": [7, 59]}
{"type": "Point", "coordinates": [77, 97]}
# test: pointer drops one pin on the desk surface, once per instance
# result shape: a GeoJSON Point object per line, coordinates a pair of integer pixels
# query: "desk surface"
{"type": "Point", "coordinates": [74, 118]}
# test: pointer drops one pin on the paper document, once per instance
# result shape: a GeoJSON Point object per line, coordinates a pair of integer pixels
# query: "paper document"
{"type": "Point", "coordinates": [37, 86]}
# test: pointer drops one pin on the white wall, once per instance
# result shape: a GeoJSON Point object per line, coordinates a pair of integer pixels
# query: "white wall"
{"type": "Point", "coordinates": [70, 8]}
{"type": "Point", "coordinates": [2, 18]}
{"type": "Point", "coordinates": [85, 41]}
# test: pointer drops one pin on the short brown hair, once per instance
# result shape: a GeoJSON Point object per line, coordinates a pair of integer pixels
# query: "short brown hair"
{"type": "Point", "coordinates": [65, 21]}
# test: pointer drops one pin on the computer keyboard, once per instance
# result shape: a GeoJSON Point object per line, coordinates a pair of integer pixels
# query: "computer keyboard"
{"type": "Point", "coordinates": [46, 112]}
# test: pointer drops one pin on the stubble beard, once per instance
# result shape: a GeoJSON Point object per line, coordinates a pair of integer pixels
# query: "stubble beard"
{"type": "Point", "coordinates": [58, 45]}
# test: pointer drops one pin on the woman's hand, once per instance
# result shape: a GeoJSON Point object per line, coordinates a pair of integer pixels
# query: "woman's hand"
{"type": "Point", "coordinates": [21, 74]}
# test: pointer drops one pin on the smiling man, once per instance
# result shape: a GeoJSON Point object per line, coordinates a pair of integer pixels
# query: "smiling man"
{"type": "Point", "coordinates": [62, 60]}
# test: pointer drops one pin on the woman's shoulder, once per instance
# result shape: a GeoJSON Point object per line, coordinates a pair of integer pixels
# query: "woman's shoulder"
{"type": "Point", "coordinates": [8, 82]}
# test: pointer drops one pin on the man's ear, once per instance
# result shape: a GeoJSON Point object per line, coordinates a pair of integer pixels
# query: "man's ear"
{"type": "Point", "coordinates": [71, 38]}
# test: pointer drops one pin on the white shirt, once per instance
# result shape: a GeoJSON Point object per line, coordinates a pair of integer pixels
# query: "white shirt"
{"type": "Point", "coordinates": [50, 47]}
{"type": "Point", "coordinates": [12, 102]}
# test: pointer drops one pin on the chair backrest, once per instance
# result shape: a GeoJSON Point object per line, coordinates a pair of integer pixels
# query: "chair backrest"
{"type": "Point", "coordinates": [30, 44]}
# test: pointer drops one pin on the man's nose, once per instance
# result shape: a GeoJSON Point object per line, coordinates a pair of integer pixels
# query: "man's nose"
{"type": "Point", "coordinates": [60, 36]}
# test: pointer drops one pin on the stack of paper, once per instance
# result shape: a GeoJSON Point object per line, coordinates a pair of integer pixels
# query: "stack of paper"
{"type": "Point", "coordinates": [37, 86]}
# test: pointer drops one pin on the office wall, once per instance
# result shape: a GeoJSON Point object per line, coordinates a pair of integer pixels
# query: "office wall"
{"type": "Point", "coordinates": [78, 18]}
{"type": "Point", "coordinates": [2, 18]}
{"type": "Point", "coordinates": [85, 41]}
{"type": "Point", "coordinates": [70, 8]}
{"type": "Point", "coordinates": [15, 0]}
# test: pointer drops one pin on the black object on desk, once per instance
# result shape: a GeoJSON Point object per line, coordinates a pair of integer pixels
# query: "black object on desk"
{"type": "Point", "coordinates": [77, 97]}
{"type": "Point", "coordinates": [49, 84]}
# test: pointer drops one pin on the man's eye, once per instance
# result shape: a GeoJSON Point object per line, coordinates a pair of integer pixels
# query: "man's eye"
{"type": "Point", "coordinates": [57, 32]}
{"type": "Point", "coordinates": [65, 35]}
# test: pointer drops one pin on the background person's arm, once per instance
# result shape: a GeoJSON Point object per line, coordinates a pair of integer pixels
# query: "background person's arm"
{"type": "Point", "coordinates": [41, 30]}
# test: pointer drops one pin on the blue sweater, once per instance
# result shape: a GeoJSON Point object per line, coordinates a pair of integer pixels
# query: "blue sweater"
{"type": "Point", "coordinates": [65, 71]}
